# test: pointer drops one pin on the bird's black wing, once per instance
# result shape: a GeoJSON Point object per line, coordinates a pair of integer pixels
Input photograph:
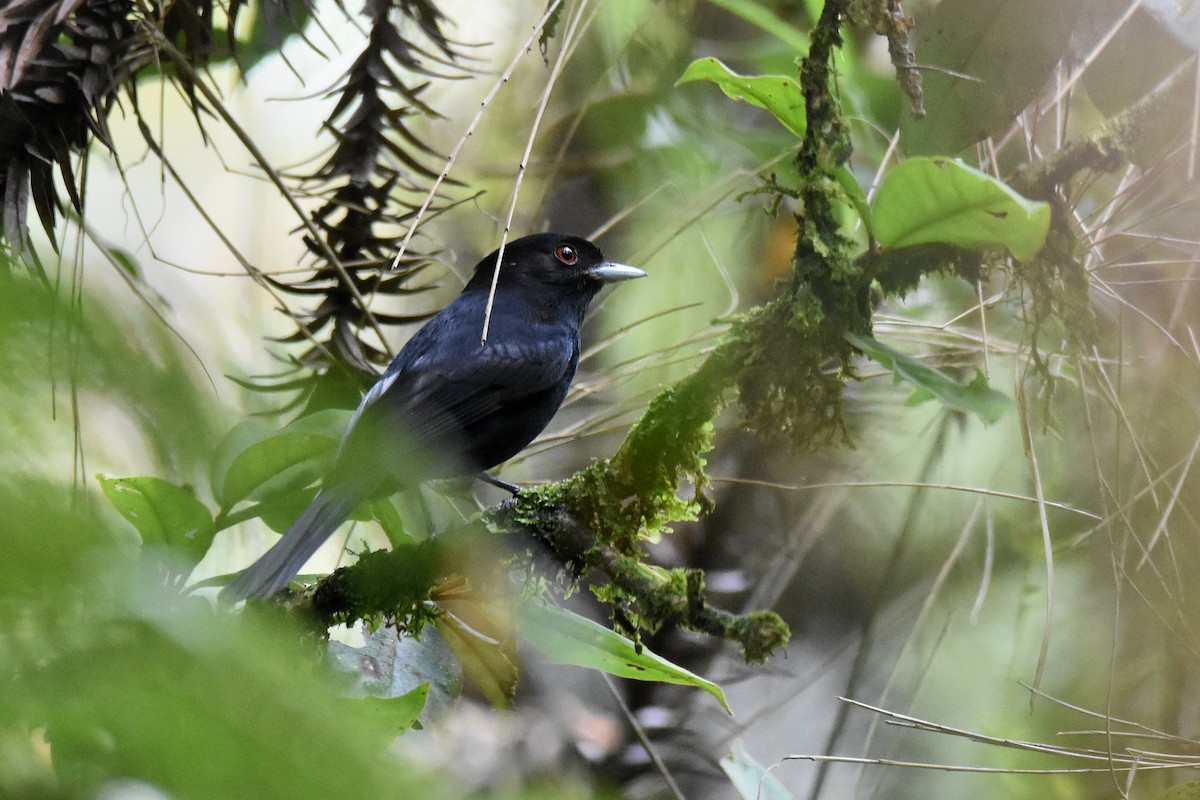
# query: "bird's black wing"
{"type": "Point", "coordinates": [475, 387]}
{"type": "Point", "coordinates": [477, 405]}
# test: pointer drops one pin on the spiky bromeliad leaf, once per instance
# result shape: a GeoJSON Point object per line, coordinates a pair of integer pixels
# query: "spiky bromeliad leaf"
{"type": "Point", "coordinates": [374, 182]}
{"type": "Point", "coordinates": [59, 69]}
{"type": "Point", "coordinates": [62, 63]}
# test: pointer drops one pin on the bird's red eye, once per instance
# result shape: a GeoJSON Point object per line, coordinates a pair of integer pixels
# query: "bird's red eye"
{"type": "Point", "coordinates": [566, 254]}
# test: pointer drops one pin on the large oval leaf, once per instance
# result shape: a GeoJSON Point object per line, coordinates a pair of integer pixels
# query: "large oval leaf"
{"type": "Point", "coordinates": [941, 200]}
{"type": "Point", "coordinates": [987, 62]}
{"type": "Point", "coordinates": [164, 514]}
{"type": "Point", "coordinates": [778, 94]}
{"type": "Point", "coordinates": [241, 436]}
{"type": "Point", "coordinates": [277, 466]}
{"type": "Point", "coordinates": [262, 465]}
{"type": "Point", "coordinates": [567, 638]}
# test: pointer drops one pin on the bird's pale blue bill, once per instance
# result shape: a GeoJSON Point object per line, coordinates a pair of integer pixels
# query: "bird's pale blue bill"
{"type": "Point", "coordinates": [611, 272]}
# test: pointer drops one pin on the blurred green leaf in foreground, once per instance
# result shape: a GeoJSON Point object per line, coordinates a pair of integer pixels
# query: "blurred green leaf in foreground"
{"type": "Point", "coordinates": [106, 676]}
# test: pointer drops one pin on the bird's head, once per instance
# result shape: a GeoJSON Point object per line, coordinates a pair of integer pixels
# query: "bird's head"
{"type": "Point", "coordinates": [557, 266]}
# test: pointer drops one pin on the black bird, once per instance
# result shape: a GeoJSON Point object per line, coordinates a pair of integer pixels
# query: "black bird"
{"type": "Point", "coordinates": [450, 405]}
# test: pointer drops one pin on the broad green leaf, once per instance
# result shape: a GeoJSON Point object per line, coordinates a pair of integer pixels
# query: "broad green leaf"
{"type": "Point", "coordinates": [280, 512]}
{"type": "Point", "coordinates": [263, 466]}
{"type": "Point", "coordinates": [778, 94]}
{"type": "Point", "coordinates": [243, 435]}
{"type": "Point", "coordinates": [163, 513]}
{"type": "Point", "coordinates": [567, 638]}
{"type": "Point", "coordinates": [401, 712]}
{"type": "Point", "coordinates": [975, 398]}
{"type": "Point", "coordinates": [278, 465]}
{"type": "Point", "coordinates": [986, 62]}
{"type": "Point", "coordinates": [927, 200]}
{"type": "Point", "coordinates": [750, 778]}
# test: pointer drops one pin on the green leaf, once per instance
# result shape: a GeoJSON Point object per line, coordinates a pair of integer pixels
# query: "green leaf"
{"type": "Point", "coordinates": [204, 706]}
{"type": "Point", "coordinates": [987, 62]}
{"type": "Point", "coordinates": [384, 512]}
{"type": "Point", "coordinates": [856, 196]}
{"type": "Point", "coordinates": [278, 465]}
{"type": "Point", "coordinates": [401, 712]}
{"type": "Point", "coordinates": [975, 398]}
{"type": "Point", "coordinates": [263, 465]}
{"type": "Point", "coordinates": [241, 436]}
{"type": "Point", "coordinates": [778, 94]}
{"type": "Point", "coordinates": [125, 261]}
{"type": "Point", "coordinates": [941, 200]}
{"type": "Point", "coordinates": [163, 513]}
{"type": "Point", "coordinates": [567, 638]}
{"type": "Point", "coordinates": [279, 513]}
{"type": "Point", "coordinates": [750, 778]}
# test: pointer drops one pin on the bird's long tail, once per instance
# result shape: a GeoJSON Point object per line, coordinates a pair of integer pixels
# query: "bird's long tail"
{"type": "Point", "coordinates": [272, 571]}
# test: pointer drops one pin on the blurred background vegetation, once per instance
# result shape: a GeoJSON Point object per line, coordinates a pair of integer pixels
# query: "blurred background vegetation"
{"type": "Point", "coordinates": [1030, 581]}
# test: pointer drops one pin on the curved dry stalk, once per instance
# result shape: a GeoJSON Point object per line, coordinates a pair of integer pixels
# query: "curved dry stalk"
{"type": "Point", "coordinates": [950, 487]}
{"type": "Point", "coordinates": [1133, 760]}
